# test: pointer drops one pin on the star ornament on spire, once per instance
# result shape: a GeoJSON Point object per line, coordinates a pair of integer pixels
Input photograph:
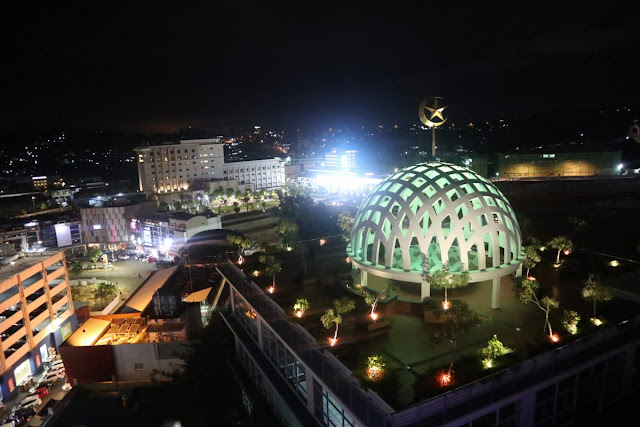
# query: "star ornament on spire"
{"type": "Point", "coordinates": [436, 108]}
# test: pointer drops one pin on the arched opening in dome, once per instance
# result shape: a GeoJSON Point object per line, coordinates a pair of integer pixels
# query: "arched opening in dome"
{"type": "Point", "coordinates": [415, 254]}
{"type": "Point", "coordinates": [397, 255]}
{"type": "Point", "coordinates": [455, 264]}
{"type": "Point", "coordinates": [382, 255]}
{"type": "Point", "coordinates": [434, 255]}
{"type": "Point", "coordinates": [472, 257]}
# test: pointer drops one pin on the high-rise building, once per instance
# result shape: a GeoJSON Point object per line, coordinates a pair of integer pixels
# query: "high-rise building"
{"type": "Point", "coordinates": [175, 167]}
{"type": "Point", "coordinates": [339, 159]}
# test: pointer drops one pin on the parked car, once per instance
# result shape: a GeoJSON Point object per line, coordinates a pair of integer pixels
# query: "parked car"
{"type": "Point", "coordinates": [56, 368]}
{"type": "Point", "coordinates": [45, 384]}
{"type": "Point", "coordinates": [27, 402]}
{"type": "Point", "coordinates": [152, 259]}
{"type": "Point", "coordinates": [40, 392]}
{"type": "Point", "coordinates": [55, 376]}
{"type": "Point", "coordinates": [123, 257]}
{"type": "Point", "coordinates": [55, 362]}
{"type": "Point", "coordinates": [22, 416]}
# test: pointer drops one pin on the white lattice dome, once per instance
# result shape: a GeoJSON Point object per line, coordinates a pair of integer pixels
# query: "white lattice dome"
{"type": "Point", "coordinates": [446, 212]}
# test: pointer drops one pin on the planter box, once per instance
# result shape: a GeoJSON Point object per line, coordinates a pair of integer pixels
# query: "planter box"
{"type": "Point", "coordinates": [373, 326]}
{"type": "Point", "coordinates": [435, 316]}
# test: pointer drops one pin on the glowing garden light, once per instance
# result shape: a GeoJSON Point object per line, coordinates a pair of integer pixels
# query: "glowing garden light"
{"type": "Point", "coordinates": [271, 289]}
{"type": "Point", "coordinates": [300, 307]}
{"type": "Point", "coordinates": [446, 304]}
{"type": "Point", "coordinates": [322, 242]}
{"type": "Point", "coordinates": [554, 338]}
{"type": "Point", "coordinates": [488, 363]}
{"type": "Point", "coordinates": [375, 367]}
{"type": "Point", "coordinates": [256, 273]}
{"type": "Point", "coordinates": [614, 263]}
{"type": "Point", "coordinates": [374, 316]}
{"type": "Point", "coordinates": [444, 379]}
{"type": "Point", "coordinates": [347, 260]}
{"type": "Point", "coordinates": [240, 260]}
{"type": "Point", "coordinates": [596, 321]}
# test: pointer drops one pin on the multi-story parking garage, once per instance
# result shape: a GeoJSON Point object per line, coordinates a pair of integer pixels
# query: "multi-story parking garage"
{"type": "Point", "coordinates": [36, 315]}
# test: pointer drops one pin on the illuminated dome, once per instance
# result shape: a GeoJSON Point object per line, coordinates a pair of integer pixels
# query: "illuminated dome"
{"type": "Point", "coordinates": [449, 213]}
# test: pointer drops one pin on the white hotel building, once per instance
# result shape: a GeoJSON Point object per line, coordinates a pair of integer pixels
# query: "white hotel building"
{"type": "Point", "coordinates": [175, 167]}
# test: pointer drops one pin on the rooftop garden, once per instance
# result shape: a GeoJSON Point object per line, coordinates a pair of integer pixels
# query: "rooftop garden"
{"type": "Point", "coordinates": [409, 352]}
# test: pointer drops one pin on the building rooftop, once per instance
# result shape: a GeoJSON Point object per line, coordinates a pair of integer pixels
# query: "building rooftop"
{"type": "Point", "coordinates": [89, 333]}
{"type": "Point", "coordinates": [142, 297]}
{"type": "Point", "coordinates": [8, 271]}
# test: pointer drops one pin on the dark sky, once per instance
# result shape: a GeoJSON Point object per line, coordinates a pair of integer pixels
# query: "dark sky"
{"type": "Point", "coordinates": [157, 68]}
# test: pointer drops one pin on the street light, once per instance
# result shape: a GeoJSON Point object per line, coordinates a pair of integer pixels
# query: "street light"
{"type": "Point", "coordinates": [33, 201]}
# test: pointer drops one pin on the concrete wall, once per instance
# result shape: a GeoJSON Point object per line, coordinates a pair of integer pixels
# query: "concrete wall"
{"type": "Point", "coordinates": [609, 185]}
{"type": "Point", "coordinates": [152, 356]}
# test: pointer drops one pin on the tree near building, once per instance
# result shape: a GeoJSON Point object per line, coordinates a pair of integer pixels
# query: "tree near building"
{"type": "Point", "coordinates": [444, 279]}
{"type": "Point", "coordinates": [104, 291]}
{"type": "Point", "coordinates": [94, 255]}
{"type": "Point", "coordinates": [493, 350]}
{"type": "Point", "coordinates": [272, 267]}
{"type": "Point", "coordinates": [345, 223]}
{"type": "Point", "coordinates": [570, 320]}
{"type": "Point", "coordinates": [333, 316]}
{"type": "Point", "coordinates": [330, 318]}
{"type": "Point", "coordinates": [460, 320]}
{"type": "Point", "coordinates": [229, 192]}
{"type": "Point", "coordinates": [76, 268]}
{"type": "Point", "coordinates": [300, 306]}
{"type": "Point", "coordinates": [562, 244]}
{"type": "Point", "coordinates": [529, 294]}
{"type": "Point", "coordinates": [595, 292]}
{"type": "Point", "coordinates": [236, 208]}
{"type": "Point", "coordinates": [372, 299]}
{"type": "Point", "coordinates": [243, 242]}
{"type": "Point", "coordinates": [531, 258]}
{"type": "Point", "coordinates": [288, 231]}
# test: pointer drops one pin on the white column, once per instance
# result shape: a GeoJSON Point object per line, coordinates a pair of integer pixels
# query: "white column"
{"type": "Point", "coordinates": [425, 290]}
{"type": "Point", "coordinates": [363, 277]}
{"type": "Point", "coordinates": [519, 271]}
{"type": "Point", "coordinates": [495, 293]}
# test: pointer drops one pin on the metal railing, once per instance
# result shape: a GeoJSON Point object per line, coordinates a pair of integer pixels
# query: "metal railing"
{"type": "Point", "coordinates": [340, 383]}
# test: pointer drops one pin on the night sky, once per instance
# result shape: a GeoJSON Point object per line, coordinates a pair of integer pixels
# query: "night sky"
{"type": "Point", "coordinates": [159, 68]}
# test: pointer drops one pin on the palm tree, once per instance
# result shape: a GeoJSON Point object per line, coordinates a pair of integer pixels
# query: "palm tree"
{"type": "Point", "coordinates": [272, 267]}
{"type": "Point", "coordinates": [595, 292]}
{"type": "Point", "coordinates": [562, 244]}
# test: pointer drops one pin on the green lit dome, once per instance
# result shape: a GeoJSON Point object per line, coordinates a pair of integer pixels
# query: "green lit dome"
{"type": "Point", "coordinates": [446, 212]}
